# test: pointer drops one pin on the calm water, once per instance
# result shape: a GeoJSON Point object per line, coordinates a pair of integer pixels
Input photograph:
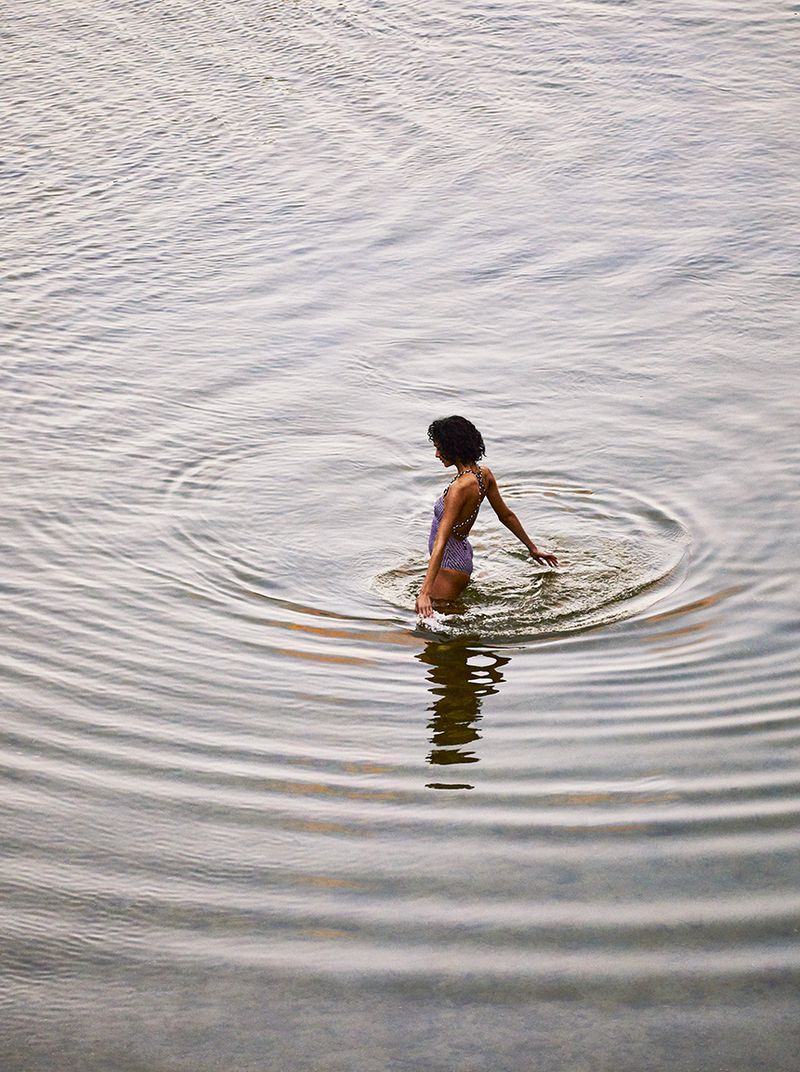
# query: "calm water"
{"type": "Point", "coordinates": [254, 817]}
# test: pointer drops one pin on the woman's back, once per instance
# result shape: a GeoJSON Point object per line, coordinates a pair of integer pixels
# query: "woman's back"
{"type": "Point", "coordinates": [469, 510]}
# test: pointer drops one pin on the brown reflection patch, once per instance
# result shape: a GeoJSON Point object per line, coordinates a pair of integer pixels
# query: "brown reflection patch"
{"type": "Point", "coordinates": [671, 634]}
{"type": "Point", "coordinates": [325, 882]}
{"type": "Point", "coordinates": [698, 604]}
{"type": "Point", "coordinates": [358, 767]}
{"type": "Point", "coordinates": [396, 636]}
{"type": "Point", "coordinates": [372, 794]}
{"type": "Point", "coordinates": [388, 636]}
{"type": "Point", "coordinates": [324, 933]}
{"type": "Point", "coordinates": [402, 637]}
{"type": "Point", "coordinates": [318, 657]}
{"type": "Point", "coordinates": [607, 828]}
{"type": "Point", "coordinates": [318, 826]}
{"type": "Point", "coordinates": [583, 798]}
{"type": "Point", "coordinates": [622, 799]}
{"type": "Point", "coordinates": [304, 789]}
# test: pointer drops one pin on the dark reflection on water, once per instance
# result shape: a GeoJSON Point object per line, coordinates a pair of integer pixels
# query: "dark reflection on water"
{"type": "Point", "coordinates": [461, 673]}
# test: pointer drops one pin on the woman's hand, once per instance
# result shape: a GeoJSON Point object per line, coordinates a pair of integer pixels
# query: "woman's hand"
{"type": "Point", "coordinates": [543, 557]}
{"type": "Point", "coordinates": [424, 605]}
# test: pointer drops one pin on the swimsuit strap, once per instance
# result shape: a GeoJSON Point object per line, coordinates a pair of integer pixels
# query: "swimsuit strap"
{"type": "Point", "coordinates": [475, 472]}
{"type": "Point", "coordinates": [474, 514]}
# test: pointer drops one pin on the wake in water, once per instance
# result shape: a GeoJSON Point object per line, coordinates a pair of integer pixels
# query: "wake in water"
{"type": "Point", "coordinates": [611, 566]}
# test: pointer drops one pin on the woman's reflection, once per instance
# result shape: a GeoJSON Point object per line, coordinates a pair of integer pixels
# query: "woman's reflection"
{"type": "Point", "coordinates": [461, 673]}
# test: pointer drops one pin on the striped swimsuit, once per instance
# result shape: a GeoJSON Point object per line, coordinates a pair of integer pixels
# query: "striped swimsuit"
{"type": "Point", "coordinates": [458, 549]}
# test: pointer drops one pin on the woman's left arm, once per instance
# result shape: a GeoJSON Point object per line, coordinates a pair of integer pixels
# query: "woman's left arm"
{"type": "Point", "coordinates": [452, 507]}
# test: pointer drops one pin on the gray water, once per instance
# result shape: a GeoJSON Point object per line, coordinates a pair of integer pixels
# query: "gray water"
{"type": "Point", "coordinates": [253, 816]}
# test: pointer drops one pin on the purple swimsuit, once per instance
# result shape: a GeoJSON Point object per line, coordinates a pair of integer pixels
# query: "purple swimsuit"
{"type": "Point", "coordinates": [458, 549]}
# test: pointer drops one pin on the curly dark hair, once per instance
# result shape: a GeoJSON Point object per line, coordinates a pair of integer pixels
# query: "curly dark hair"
{"type": "Point", "coordinates": [457, 438]}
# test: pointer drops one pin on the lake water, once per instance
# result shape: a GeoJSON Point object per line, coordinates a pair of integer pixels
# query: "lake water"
{"type": "Point", "coordinates": [253, 816]}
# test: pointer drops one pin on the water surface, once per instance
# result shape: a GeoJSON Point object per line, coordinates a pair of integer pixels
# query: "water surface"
{"type": "Point", "coordinates": [253, 816]}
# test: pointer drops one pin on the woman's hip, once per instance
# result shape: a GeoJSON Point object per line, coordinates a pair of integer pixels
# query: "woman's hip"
{"type": "Point", "coordinates": [457, 555]}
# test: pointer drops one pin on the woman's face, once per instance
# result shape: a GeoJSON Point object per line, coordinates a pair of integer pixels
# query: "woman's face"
{"type": "Point", "coordinates": [442, 457]}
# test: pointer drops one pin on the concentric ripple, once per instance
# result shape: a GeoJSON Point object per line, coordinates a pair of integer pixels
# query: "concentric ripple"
{"type": "Point", "coordinates": [617, 556]}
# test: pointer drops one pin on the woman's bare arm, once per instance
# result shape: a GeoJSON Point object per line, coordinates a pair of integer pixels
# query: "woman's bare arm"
{"type": "Point", "coordinates": [453, 502]}
{"type": "Point", "coordinates": [507, 516]}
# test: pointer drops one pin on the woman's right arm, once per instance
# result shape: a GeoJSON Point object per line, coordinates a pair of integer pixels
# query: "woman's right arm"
{"type": "Point", "coordinates": [513, 523]}
{"type": "Point", "coordinates": [452, 506]}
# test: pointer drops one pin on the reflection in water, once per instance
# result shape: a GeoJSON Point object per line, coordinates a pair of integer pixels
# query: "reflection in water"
{"type": "Point", "coordinates": [461, 673]}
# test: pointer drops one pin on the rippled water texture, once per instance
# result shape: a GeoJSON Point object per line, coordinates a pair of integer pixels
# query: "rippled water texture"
{"type": "Point", "coordinates": [253, 816]}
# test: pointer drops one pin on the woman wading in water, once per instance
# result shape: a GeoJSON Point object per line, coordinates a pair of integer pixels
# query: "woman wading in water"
{"type": "Point", "coordinates": [458, 442]}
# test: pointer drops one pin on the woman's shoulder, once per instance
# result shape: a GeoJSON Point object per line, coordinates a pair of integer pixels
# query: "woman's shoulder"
{"type": "Point", "coordinates": [488, 475]}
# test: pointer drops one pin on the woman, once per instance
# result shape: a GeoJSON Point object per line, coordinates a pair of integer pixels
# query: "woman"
{"type": "Point", "coordinates": [458, 442]}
